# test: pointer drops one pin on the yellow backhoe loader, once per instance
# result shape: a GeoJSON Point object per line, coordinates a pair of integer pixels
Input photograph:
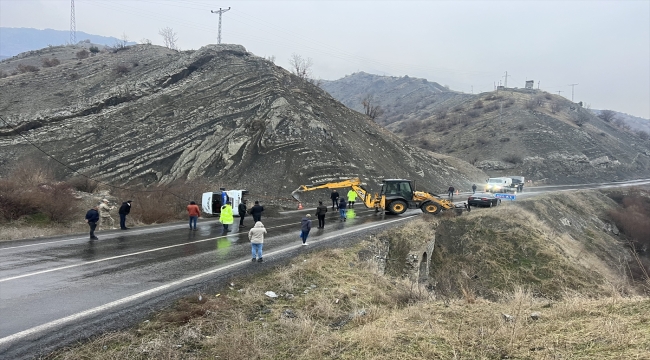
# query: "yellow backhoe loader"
{"type": "Point", "coordinates": [395, 197]}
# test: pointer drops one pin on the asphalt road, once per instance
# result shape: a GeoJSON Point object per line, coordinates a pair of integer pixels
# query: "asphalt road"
{"type": "Point", "coordinates": [60, 290]}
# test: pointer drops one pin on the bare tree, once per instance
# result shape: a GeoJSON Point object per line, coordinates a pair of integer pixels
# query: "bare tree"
{"type": "Point", "coordinates": [271, 58]}
{"type": "Point", "coordinates": [370, 108]}
{"type": "Point", "coordinates": [607, 115]}
{"type": "Point", "coordinates": [169, 37]}
{"type": "Point", "coordinates": [300, 66]}
{"type": "Point", "coordinates": [556, 106]}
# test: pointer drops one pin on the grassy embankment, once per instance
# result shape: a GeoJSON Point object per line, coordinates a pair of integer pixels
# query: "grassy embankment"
{"type": "Point", "coordinates": [492, 270]}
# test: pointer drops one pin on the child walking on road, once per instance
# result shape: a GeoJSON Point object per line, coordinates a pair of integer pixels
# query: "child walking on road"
{"type": "Point", "coordinates": [256, 236]}
{"type": "Point", "coordinates": [305, 227]}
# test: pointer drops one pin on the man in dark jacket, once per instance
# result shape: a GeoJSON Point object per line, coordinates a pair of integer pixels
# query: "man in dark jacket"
{"type": "Point", "coordinates": [335, 199]}
{"type": "Point", "coordinates": [342, 209]}
{"type": "Point", "coordinates": [320, 214]}
{"type": "Point", "coordinates": [92, 217]}
{"type": "Point", "coordinates": [256, 211]}
{"type": "Point", "coordinates": [450, 191]}
{"type": "Point", "coordinates": [242, 213]}
{"type": "Point", "coordinates": [125, 209]}
{"type": "Point", "coordinates": [305, 227]}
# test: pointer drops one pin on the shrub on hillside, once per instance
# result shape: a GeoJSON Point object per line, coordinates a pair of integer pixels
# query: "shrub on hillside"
{"type": "Point", "coordinates": [94, 49]}
{"type": "Point", "coordinates": [121, 69]}
{"type": "Point", "coordinates": [633, 220]}
{"type": "Point", "coordinates": [478, 104]}
{"type": "Point", "coordinates": [473, 113]}
{"type": "Point", "coordinates": [513, 159]}
{"type": "Point", "coordinates": [490, 108]}
{"type": "Point", "coordinates": [3, 74]}
{"type": "Point", "coordinates": [509, 103]}
{"type": "Point", "coordinates": [22, 68]}
{"type": "Point", "coordinates": [51, 62]}
{"type": "Point", "coordinates": [83, 183]}
{"type": "Point", "coordinates": [441, 113]}
{"type": "Point", "coordinates": [82, 54]}
{"type": "Point", "coordinates": [643, 135]}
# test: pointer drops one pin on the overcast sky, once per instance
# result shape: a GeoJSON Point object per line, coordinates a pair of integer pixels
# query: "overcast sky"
{"type": "Point", "coordinates": [603, 46]}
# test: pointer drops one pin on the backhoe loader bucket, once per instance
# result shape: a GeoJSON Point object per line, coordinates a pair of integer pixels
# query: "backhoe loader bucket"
{"type": "Point", "coordinates": [296, 194]}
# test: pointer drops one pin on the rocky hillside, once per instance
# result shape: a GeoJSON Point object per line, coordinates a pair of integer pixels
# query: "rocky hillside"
{"type": "Point", "coordinates": [400, 98]}
{"type": "Point", "coordinates": [147, 114]}
{"type": "Point", "coordinates": [541, 136]}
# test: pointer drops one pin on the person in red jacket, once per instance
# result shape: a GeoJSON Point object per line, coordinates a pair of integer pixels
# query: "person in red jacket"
{"type": "Point", "coordinates": [194, 212]}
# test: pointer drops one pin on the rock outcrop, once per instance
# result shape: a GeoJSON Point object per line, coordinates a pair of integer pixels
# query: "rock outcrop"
{"type": "Point", "coordinates": [147, 114]}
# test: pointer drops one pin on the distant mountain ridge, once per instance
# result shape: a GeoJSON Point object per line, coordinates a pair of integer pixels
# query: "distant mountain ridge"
{"type": "Point", "coordinates": [14, 41]}
{"type": "Point", "coordinates": [541, 136]}
{"type": "Point", "coordinates": [400, 98]}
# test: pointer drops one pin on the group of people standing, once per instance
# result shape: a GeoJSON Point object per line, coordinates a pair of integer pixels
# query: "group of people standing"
{"type": "Point", "coordinates": [338, 202]}
{"type": "Point", "coordinates": [103, 212]}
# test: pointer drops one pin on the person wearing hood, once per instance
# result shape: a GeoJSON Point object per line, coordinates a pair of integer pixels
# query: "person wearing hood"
{"type": "Point", "coordinates": [305, 227]}
{"type": "Point", "coordinates": [125, 209]}
{"type": "Point", "coordinates": [320, 214]}
{"type": "Point", "coordinates": [242, 212]}
{"type": "Point", "coordinates": [92, 217]}
{"type": "Point", "coordinates": [105, 215]}
{"type": "Point", "coordinates": [256, 237]}
{"type": "Point", "coordinates": [343, 209]}
{"type": "Point", "coordinates": [226, 217]}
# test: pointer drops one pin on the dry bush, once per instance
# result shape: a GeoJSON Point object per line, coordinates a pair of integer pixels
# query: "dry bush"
{"type": "Point", "coordinates": [556, 106]}
{"type": "Point", "coordinates": [428, 145]}
{"type": "Point", "coordinates": [490, 108]}
{"type": "Point", "coordinates": [82, 54]}
{"type": "Point", "coordinates": [121, 69]}
{"type": "Point", "coordinates": [504, 139]}
{"type": "Point", "coordinates": [51, 62]}
{"type": "Point", "coordinates": [478, 104]}
{"type": "Point", "coordinates": [22, 68]}
{"type": "Point", "coordinates": [531, 104]}
{"type": "Point", "coordinates": [473, 113]}
{"type": "Point", "coordinates": [441, 113]}
{"type": "Point", "coordinates": [548, 96]}
{"type": "Point", "coordinates": [482, 142]}
{"type": "Point", "coordinates": [513, 159]}
{"type": "Point", "coordinates": [73, 76]}
{"type": "Point", "coordinates": [411, 127]}
{"type": "Point", "coordinates": [509, 103]}
{"type": "Point", "coordinates": [643, 135]}
{"type": "Point", "coordinates": [94, 49]}
{"type": "Point", "coordinates": [57, 202]}
{"type": "Point", "coordinates": [520, 127]}
{"type": "Point", "coordinates": [458, 108]}
{"type": "Point", "coordinates": [83, 183]}
{"type": "Point", "coordinates": [3, 74]}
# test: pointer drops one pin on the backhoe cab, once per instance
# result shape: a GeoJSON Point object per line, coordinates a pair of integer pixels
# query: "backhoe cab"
{"type": "Point", "coordinates": [396, 196]}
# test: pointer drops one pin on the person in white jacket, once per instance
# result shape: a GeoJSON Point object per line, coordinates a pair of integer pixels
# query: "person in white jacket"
{"type": "Point", "coordinates": [256, 236]}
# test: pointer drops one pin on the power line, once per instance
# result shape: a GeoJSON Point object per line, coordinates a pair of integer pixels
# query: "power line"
{"type": "Point", "coordinates": [220, 12]}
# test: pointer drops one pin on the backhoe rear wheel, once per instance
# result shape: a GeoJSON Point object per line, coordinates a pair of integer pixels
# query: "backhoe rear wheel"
{"type": "Point", "coordinates": [430, 208]}
{"type": "Point", "coordinates": [397, 207]}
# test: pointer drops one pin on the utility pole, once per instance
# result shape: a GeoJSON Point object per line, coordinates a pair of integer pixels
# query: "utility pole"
{"type": "Point", "coordinates": [220, 12]}
{"type": "Point", "coordinates": [73, 25]}
{"type": "Point", "coordinates": [572, 86]}
{"type": "Point", "coordinates": [559, 92]}
{"type": "Point", "coordinates": [506, 82]}
{"type": "Point", "coordinates": [538, 85]}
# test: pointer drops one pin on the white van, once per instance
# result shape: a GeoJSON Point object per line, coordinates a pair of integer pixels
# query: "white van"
{"type": "Point", "coordinates": [212, 201]}
{"type": "Point", "coordinates": [495, 185]}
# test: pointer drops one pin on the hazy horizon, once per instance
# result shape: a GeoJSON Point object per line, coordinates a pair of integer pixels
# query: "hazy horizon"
{"type": "Point", "coordinates": [603, 46]}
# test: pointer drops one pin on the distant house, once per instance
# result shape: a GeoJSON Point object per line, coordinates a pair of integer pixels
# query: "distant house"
{"type": "Point", "coordinates": [530, 84]}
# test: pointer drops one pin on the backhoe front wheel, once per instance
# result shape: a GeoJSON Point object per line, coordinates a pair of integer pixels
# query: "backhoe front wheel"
{"type": "Point", "coordinates": [430, 208]}
{"type": "Point", "coordinates": [397, 207]}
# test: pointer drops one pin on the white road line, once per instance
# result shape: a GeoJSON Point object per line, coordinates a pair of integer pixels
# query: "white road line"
{"type": "Point", "coordinates": [107, 236]}
{"type": "Point", "coordinates": [98, 309]}
{"type": "Point", "coordinates": [127, 255]}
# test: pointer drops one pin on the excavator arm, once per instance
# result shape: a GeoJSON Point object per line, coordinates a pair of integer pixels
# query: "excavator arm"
{"type": "Point", "coordinates": [354, 183]}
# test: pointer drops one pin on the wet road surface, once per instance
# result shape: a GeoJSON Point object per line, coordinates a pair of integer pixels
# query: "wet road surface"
{"type": "Point", "coordinates": [50, 284]}
{"type": "Point", "coordinates": [62, 289]}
